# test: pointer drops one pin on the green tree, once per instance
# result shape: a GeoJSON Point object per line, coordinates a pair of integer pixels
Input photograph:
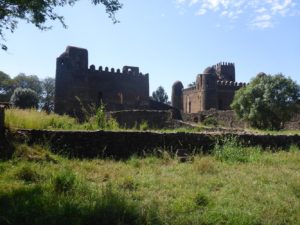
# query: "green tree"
{"type": "Point", "coordinates": [28, 81]}
{"type": "Point", "coordinates": [47, 98]}
{"type": "Point", "coordinates": [24, 98]}
{"type": "Point", "coordinates": [5, 87]}
{"type": "Point", "coordinates": [267, 102]}
{"type": "Point", "coordinates": [38, 12]}
{"type": "Point", "coordinates": [160, 95]}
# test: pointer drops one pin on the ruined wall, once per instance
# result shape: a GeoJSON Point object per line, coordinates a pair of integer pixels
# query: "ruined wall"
{"type": "Point", "coordinates": [132, 118]}
{"type": "Point", "coordinates": [191, 100]}
{"type": "Point", "coordinates": [227, 118]}
{"type": "Point", "coordinates": [226, 91]}
{"type": "Point", "coordinates": [125, 144]}
{"type": "Point", "coordinates": [78, 86]}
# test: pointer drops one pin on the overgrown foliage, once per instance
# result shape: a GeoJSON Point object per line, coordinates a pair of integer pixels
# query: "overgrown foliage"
{"type": "Point", "coordinates": [267, 102]}
{"type": "Point", "coordinates": [38, 12]}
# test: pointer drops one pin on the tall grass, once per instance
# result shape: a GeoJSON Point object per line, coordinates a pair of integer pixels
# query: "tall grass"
{"type": "Point", "coordinates": [33, 119]}
{"type": "Point", "coordinates": [230, 150]}
{"type": "Point", "coordinates": [151, 190]}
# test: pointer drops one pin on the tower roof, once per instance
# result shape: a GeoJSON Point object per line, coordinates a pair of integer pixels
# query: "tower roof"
{"type": "Point", "coordinates": [209, 70]}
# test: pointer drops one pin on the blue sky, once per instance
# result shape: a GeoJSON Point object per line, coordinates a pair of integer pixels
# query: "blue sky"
{"type": "Point", "coordinates": [169, 39]}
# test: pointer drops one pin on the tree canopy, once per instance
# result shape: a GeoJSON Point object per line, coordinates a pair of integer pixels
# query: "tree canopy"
{"type": "Point", "coordinates": [267, 102]}
{"type": "Point", "coordinates": [38, 12]}
{"type": "Point", "coordinates": [43, 88]}
{"type": "Point", "coordinates": [24, 98]}
{"type": "Point", "coordinates": [160, 95]}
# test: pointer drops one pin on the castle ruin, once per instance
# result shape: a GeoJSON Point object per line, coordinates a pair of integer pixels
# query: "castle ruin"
{"type": "Point", "coordinates": [213, 89]}
{"type": "Point", "coordinates": [78, 86]}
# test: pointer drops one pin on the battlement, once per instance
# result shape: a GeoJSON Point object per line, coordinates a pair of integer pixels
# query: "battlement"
{"type": "Point", "coordinates": [127, 70]}
{"type": "Point", "coordinates": [223, 83]}
{"type": "Point", "coordinates": [224, 64]}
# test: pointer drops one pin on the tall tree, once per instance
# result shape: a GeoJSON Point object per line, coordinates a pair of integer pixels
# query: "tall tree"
{"type": "Point", "coordinates": [5, 90]}
{"type": "Point", "coordinates": [28, 81]}
{"type": "Point", "coordinates": [38, 12]}
{"type": "Point", "coordinates": [160, 95]}
{"type": "Point", "coordinates": [47, 98]}
{"type": "Point", "coordinates": [267, 102]}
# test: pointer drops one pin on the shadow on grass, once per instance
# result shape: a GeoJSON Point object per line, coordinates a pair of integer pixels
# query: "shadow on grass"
{"type": "Point", "coordinates": [36, 206]}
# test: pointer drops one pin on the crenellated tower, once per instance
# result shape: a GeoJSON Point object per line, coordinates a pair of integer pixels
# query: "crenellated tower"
{"type": "Point", "coordinates": [81, 87]}
{"type": "Point", "coordinates": [225, 71]}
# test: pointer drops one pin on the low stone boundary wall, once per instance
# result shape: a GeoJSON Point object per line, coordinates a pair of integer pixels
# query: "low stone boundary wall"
{"type": "Point", "coordinates": [227, 118]}
{"type": "Point", "coordinates": [154, 118]}
{"type": "Point", "coordinates": [124, 144]}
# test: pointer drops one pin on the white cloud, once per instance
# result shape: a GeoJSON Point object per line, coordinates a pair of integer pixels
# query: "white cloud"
{"type": "Point", "coordinates": [260, 13]}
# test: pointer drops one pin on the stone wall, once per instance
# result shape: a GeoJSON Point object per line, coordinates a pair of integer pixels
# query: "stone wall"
{"type": "Point", "coordinates": [154, 118]}
{"type": "Point", "coordinates": [227, 118]}
{"type": "Point", "coordinates": [125, 144]}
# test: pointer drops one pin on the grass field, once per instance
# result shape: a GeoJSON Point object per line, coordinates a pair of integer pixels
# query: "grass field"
{"type": "Point", "coordinates": [234, 186]}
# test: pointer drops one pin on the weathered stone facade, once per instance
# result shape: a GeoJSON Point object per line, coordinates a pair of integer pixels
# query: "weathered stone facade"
{"type": "Point", "coordinates": [214, 89]}
{"type": "Point", "coordinates": [79, 86]}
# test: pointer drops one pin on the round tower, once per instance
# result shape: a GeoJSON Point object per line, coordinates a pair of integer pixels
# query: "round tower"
{"type": "Point", "coordinates": [209, 97]}
{"type": "Point", "coordinates": [177, 95]}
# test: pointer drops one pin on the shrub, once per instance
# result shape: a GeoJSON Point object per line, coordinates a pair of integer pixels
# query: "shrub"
{"type": "Point", "coordinates": [64, 181]}
{"type": "Point", "coordinates": [103, 122]}
{"type": "Point", "coordinates": [24, 98]}
{"type": "Point", "coordinates": [144, 125]}
{"type": "Point", "coordinates": [201, 200]}
{"type": "Point", "coordinates": [231, 150]}
{"type": "Point", "coordinates": [210, 121]}
{"type": "Point", "coordinates": [28, 174]}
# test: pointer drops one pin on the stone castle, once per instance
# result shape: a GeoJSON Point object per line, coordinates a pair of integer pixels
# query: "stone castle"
{"type": "Point", "coordinates": [79, 86]}
{"type": "Point", "coordinates": [213, 89]}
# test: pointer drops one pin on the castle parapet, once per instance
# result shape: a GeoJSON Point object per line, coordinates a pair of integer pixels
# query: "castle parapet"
{"type": "Point", "coordinates": [223, 83]}
{"type": "Point", "coordinates": [126, 71]}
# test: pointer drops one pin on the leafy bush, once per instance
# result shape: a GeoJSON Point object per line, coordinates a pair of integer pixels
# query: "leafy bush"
{"type": "Point", "coordinates": [267, 102]}
{"type": "Point", "coordinates": [24, 98]}
{"type": "Point", "coordinates": [103, 122]}
{"type": "Point", "coordinates": [210, 121]}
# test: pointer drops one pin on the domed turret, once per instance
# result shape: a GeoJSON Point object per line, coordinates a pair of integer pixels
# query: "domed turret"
{"type": "Point", "coordinates": [177, 95]}
{"type": "Point", "coordinates": [209, 70]}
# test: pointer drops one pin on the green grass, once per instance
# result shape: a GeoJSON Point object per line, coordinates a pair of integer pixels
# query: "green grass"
{"type": "Point", "coordinates": [37, 187]}
{"type": "Point", "coordinates": [33, 119]}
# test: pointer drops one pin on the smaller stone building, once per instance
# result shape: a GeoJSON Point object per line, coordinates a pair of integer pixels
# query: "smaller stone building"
{"type": "Point", "coordinates": [213, 89]}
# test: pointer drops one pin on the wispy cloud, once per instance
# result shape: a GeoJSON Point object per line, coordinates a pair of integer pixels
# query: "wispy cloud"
{"type": "Point", "coordinates": [260, 13]}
